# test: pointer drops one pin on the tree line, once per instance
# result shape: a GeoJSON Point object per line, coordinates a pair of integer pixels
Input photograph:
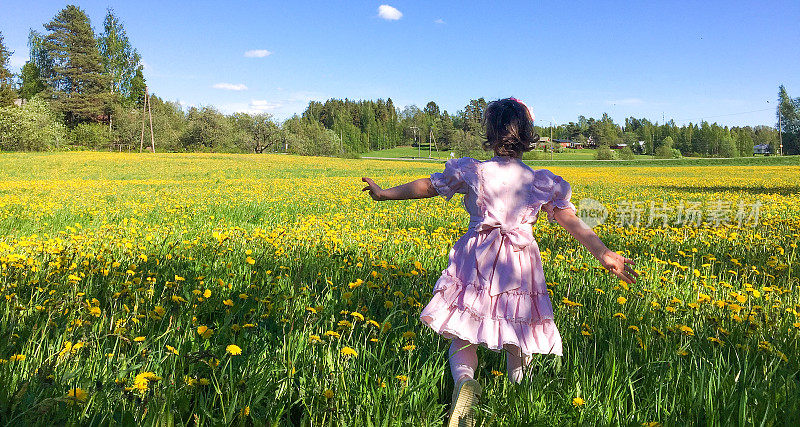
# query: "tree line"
{"type": "Point", "coordinates": [81, 90]}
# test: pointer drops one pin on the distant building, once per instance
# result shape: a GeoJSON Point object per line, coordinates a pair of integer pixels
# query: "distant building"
{"type": "Point", "coordinates": [566, 143]}
{"type": "Point", "coordinates": [762, 149]}
{"type": "Point", "coordinates": [617, 146]}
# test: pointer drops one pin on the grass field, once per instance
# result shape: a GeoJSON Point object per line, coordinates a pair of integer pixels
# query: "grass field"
{"type": "Point", "coordinates": [268, 290]}
{"type": "Point", "coordinates": [422, 152]}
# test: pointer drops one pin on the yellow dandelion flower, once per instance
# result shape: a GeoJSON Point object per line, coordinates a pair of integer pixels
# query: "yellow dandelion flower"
{"type": "Point", "coordinates": [76, 395]}
{"type": "Point", "coordinates": [233, 350]}
{"type": "Point", "coordinates": [621, 300]}
{"type": "Point", "coordinates": [205, 331]}
{"type": "Point", "coordinates": [348, 351]}
{"type": "Point", "coordinates": [576, 402]}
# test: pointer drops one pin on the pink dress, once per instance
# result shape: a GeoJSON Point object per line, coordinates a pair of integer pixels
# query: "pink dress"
{"type": "Point", "coordinates": [493, 291]}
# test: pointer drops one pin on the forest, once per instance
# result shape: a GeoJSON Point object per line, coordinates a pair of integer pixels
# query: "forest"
{"type": "Point", "coordinates": [85, 91]}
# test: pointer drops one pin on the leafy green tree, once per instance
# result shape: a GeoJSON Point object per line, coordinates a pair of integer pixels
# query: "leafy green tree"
{"type": "Point", "coordinates": [447, 132]}
{"type": "Point", "coordinates": [259, 132]}
{"type": "Point", "coordinates": [604, 153]}
{"type": "Point", "coordinates": [666, 150]}
{"type": "Point", "coordinates": [7, 92]}
{"type": "Point", "coordinates": [727, 147]}
{"type": "Point", "coordinates": [431, 109]}
{"type": "Point", "coordinates": [766, 135]}
{"type": "Point", "coordinates": [170, 123]}
{"type": "Point", "coordinates": [91, 135]}
{"type": "Point", "coordinates": [31, 82]}
{"type": "Point", "coordinates": [743, 138]}
{"type": "Point", "coordinates": [472, 115]}
{"type": "Point", "coordinates": [625, 153]}
{"type": "Point", "coordinates": [120, 60]}
{"type": "Point", "coordinates": [31, 127]}
{"type": "Point", "coordinates": [32, 75]}
{"type": "Point", "coordinates": [128, 126]}
{"type": "Point", "coordinates": [39, 55]}
{"type": "Point", "coordinates": [310, 138]}
{"type": "Point", "coordinates": [789, 123]}
{"type": "Point", "coordinates": [468, 144]}
{"type": "Point", "coordinates": [207, 130]}
{"type": "Point", "coordinates": [138, 87]}
{"type": "Point", "coordinates": [77, 82]}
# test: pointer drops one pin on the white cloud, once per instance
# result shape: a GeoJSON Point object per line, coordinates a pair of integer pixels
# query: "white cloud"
{"type": "Point", "coordinates": [257, 53]}
{"type": "Point", "coordinates": [281, 106]}
{"type": "Point", "coordinates": [389, 13]}
{"type": "Point", "coordinates": [230, 86]}
{"type": "Point", "coordinates": [626, 101]}
{"type": "Point", "coordinates": [439, 21]}
{"type": "Point", "coordinates": [262, 105]}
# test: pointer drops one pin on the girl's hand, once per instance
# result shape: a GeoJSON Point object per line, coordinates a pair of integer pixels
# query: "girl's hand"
{"type": "Point", "coordinates": [375, 191]}
{"type": "Point", "coordinates": [620, 266]}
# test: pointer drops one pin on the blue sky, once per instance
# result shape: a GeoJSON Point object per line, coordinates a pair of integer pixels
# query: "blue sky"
{"type": "Point", "coordinates": [716, 60]}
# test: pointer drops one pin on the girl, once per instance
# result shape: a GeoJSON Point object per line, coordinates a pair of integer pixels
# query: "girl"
{"type": "Point", "coordinates": [493, 291]}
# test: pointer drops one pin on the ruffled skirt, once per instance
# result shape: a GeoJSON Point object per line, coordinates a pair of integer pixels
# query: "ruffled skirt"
{"type": "Point", "coordinates": [462, 307]}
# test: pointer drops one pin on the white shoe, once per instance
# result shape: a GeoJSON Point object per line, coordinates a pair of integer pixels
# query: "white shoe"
{"type": "Point", "coordinates": [466, 394]}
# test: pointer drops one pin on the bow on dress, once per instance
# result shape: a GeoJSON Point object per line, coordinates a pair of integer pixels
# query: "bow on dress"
{"type": "Point", "coordinates": [496, 262]}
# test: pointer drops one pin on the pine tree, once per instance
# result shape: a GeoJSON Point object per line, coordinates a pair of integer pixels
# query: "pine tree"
{"type": "Point", "coordinates": [77, 83]}
{"type": "Point", "coordinates": [7, 93]}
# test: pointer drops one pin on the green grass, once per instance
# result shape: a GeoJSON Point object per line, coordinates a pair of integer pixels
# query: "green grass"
{"type": "Point", "coordinates": [585, 157]}
{"type": "Point", "coordinates": [127, 234]}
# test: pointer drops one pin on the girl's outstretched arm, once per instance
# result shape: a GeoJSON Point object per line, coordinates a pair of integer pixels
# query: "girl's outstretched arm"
{"type": "Point", "coordinates": [612, 261]}
{"type": "Point", "coordinates": [418, 189]}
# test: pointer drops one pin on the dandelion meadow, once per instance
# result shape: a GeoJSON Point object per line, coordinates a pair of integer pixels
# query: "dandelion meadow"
{"type": "Point", "coordinates": [269, 290]}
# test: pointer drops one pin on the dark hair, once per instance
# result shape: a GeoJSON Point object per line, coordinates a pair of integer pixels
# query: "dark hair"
{"type": "Point", "coordinates": [509, 128]}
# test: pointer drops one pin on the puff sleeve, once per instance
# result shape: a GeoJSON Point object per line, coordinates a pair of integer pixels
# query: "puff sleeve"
{"type": "Point", "coordinates": [452, 180]}
{"type": "Point", "coordinates": [560, 196]}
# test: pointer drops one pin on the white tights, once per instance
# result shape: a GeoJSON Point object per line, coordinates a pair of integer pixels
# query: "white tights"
{"type": "Point", "coordinates": [464, 360]}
